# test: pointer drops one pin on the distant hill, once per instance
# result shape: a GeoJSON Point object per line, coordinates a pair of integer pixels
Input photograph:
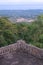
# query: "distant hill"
{"type": "Point", "coordinates": [21, 13]}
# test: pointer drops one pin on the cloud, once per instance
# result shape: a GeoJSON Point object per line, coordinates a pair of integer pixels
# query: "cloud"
{"type": "Point", "coordinates": [21, 4]}
{"type": "Point", "coordinates": [20, 1]}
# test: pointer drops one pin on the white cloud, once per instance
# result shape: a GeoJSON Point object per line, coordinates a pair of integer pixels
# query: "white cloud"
{"type": "Point", "coordinates": [21, 4]}
{"type": "Point", "coordinates": [20, 1]}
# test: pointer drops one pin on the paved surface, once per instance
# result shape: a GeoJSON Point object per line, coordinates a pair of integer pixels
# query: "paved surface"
{"type": "Point", "coordinates": [20, 58]}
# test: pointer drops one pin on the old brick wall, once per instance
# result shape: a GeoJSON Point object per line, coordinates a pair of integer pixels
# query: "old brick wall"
{"type": "Point", "coordinates": [20, 44]}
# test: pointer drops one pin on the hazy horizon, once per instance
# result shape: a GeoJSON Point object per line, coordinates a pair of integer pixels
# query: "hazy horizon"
{"type": "Point", "coordinates": [21, 4]}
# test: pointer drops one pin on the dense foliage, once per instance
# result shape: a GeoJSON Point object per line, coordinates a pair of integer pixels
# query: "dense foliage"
{"type": "Point", "coordinates": [32, 32]}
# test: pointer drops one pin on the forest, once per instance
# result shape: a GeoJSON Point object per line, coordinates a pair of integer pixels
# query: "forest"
{"type": "Point", "coordinates": [32, 32]}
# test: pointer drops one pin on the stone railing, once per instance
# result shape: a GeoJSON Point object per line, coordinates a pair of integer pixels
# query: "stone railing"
{"type": "Point", "coordinates": [37, 52]}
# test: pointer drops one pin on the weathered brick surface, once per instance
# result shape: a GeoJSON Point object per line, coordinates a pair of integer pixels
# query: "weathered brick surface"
{"type": "Point", "coordinates": [21, 53]}
{"type": "Point", "coordinates": [25, 47]}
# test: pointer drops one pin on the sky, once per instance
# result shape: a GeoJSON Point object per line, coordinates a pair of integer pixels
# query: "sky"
{"type": "Point", "coordinates": [21, 4]}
